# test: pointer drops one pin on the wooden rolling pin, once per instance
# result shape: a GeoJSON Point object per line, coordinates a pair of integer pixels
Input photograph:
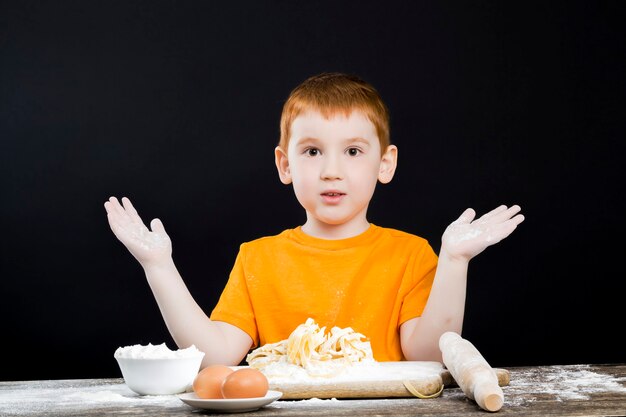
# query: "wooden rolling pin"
{"type": "Point", "coordinates": [471, 371]}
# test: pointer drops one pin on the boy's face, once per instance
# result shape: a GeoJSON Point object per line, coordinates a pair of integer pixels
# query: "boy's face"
{"type": "Point", "coordinates": [334, 165]}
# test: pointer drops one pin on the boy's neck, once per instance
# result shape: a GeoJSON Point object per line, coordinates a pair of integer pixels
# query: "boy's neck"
{"type": "Point", "coordinates": [321, 230]}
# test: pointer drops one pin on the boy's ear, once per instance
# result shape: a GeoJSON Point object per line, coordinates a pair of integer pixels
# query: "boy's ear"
{"type": "Point", "coordinates": [388, 164]}
{"type": "Point", "coordinates": [282, 164]}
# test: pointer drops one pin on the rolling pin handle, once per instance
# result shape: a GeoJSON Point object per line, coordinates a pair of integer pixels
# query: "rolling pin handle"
{"type": "Point", "coordinates": [475, 377]}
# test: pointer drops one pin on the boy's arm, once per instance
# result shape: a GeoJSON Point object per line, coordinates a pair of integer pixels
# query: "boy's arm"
{"type": "Point", "coordinates": [462, 240]}
{"type": "Point", "coordinates": [187, 322]}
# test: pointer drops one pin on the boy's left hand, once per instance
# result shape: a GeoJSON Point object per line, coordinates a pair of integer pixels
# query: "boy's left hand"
{"type": "Point", "coordinates": [465, 237]}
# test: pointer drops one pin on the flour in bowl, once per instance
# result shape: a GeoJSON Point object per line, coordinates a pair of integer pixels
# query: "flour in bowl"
{"type": "Point", "coordinates": [151, 351]}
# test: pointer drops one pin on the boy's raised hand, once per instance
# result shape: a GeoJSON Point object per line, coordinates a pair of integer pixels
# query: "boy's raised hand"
{"type": "Point", "coordinates": [465, 237]}
{"type": "Point", "coordinates": [145, 245]}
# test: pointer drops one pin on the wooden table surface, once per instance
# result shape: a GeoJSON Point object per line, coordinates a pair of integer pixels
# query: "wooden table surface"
{"type": "Point", "coordinates": [564, 390]}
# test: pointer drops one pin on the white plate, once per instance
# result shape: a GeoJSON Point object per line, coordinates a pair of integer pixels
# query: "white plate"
{"type": "Point", "coordinates": [234, 405]}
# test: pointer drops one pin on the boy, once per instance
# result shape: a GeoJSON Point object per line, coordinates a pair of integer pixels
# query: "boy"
{"type": "Point", "coordinates": [336, 268]}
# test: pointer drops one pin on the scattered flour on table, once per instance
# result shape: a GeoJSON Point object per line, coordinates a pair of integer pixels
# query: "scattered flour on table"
{"type": "Point", "coordinates": [568, 382]}
{"type": "Point", "coordinates": [311, 402]}
{"type": "Point", "coordinates": [42, 399]}
{"type": "Point", "coordinates": [98, 396]}
{"type": "Point", "coordinates": [352, 403]}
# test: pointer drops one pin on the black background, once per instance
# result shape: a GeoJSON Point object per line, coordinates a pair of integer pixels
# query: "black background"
{"type": "Point", "coordinates": [176, 104]}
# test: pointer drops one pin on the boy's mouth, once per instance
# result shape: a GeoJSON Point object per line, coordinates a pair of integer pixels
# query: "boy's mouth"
{"type": "Point", "coordinates": [332, 197]}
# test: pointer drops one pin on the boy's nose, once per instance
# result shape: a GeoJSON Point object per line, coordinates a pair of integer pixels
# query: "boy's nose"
{"type": "Point", "coordinates": [331, 170]}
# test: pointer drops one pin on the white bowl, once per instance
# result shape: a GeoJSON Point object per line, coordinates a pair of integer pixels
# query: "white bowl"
{"type": "Point", "coordinates": [159, 376]}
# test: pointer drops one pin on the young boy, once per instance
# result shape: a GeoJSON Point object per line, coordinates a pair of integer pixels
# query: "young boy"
{"type": "Point", "coordinates": [336, 268]}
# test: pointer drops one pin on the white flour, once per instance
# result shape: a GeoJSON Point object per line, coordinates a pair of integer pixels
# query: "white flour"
{"type": "Point", "coordinates": [42, 399]}
{"type": "Point", "coordinates": [311, 402]}
{"type": "Point", "coordinates": [151, 351]}
{"type": "Point", "coordinates": [332, 373]}
{"type": "Point", "coordinates": [149, 240]}
{"type": "Point", "coordinates": [465, 236]}
{"type": "Point", "coordinates": [283, 371]}
{"type": "Point", "coordinates": [560, 383]}
{"type": "Point", "coordinates": [569, 382]}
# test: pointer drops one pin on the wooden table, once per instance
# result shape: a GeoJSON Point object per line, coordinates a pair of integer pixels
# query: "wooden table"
{"type": "Point", "coordinates": [566, 390]}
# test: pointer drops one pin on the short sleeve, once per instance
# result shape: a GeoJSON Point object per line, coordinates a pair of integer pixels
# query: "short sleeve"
{"type": "Point", "coordinates": [234, 306]}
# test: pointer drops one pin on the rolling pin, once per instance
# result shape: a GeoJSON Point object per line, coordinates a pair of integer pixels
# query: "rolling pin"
{"type": "Point", "coordinates": [470, 370]}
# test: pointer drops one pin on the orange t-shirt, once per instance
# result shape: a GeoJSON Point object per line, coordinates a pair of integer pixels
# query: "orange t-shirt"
{"type": "Point", "coordinates": [372, 283]}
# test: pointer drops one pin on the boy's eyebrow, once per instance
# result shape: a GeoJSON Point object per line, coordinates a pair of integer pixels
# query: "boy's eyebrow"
{"type": "Point", "coordinates": [306, 140]}
{"type": "Point", "coordinates": [311, 140]}
{"type": "Point", "coordinates": [358, 139]}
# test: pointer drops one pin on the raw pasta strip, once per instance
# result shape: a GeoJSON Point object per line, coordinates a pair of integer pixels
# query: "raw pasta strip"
{"type": "Point", "coordinates": [310, 347]}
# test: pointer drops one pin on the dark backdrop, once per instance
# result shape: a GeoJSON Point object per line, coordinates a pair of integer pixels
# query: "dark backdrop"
{"type": "Point", "coordinates": [176, 104]}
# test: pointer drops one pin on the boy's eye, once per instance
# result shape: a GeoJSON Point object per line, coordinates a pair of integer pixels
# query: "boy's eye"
{"type": "Point", "coordinates": [353, 151]}
{"type": "Point", "coordinates": [312, 152]}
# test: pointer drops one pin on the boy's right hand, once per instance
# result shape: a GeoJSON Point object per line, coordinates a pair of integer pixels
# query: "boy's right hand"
{"type": "Point", "coordinates": [146, 246]}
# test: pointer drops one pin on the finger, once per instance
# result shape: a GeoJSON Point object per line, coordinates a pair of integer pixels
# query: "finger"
{"type": "Point", "coordinates": [127, 215]}
{"type": "Point", "coordinates": [112, 207]}
{"type": "Point", "coordinates": [130, 209]}
{"type": "Point", "coordinates": [504, 229]}
{"type": "Point", "coordinates": [117, 207]}
{"type": "Point", "coordinates": [109, 205]}
{"type": "Point", "coordinates": [157, 226]}
{"type": "Point", "coordinates": [506, 214]}
{"type": "Point", "coordinates": [492, 213]}
{"type": "Point", "coordinates": [115, 202]}
{"type": "Point", "coordinates": [518, 219]}
{"type": "Point", "coordinates": [118, 229]}
{"type": "Point", "coordinates": [112, 204]}
{"type": "Point", "coordinates": [119, 212]}
{"type": "Point", "coordinates": [466, 217]}
{"type": "Point", "coordinates": [132, 213]}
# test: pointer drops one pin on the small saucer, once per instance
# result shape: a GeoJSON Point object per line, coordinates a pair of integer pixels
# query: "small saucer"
{"type": "Point", "coordinates": [233, 405]}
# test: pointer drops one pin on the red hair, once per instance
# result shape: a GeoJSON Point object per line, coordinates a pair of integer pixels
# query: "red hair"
{"type": "Point", "coordinates": [330, 93]}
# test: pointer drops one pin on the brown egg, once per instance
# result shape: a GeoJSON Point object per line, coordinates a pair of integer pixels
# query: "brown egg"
{"type": "Point", "coordinates": [208, 382]}
{"type": "Point", "coordinates": [245, 383]}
